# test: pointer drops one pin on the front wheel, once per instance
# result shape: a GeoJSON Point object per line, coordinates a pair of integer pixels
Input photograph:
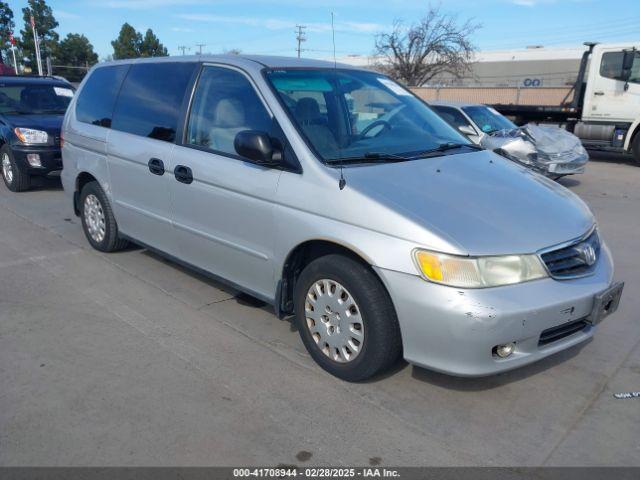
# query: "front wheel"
{"type": "Point", "coordinates": [15, 179]}
{"type": "Point", "coordinates": [346, 318]}
{"type": "Point", "coordinates": [635, 148]}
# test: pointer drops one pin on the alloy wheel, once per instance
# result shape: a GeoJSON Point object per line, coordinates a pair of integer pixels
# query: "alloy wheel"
{"type": "Point", "coordinates": [7, 168]}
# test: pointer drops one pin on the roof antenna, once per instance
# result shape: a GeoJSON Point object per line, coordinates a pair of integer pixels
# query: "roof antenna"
{"type": "Point", "coordinates": [342, 182]}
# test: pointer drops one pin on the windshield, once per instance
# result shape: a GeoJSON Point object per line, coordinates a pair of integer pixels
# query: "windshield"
{"type": "Point", "coordinates": [488, 119]}
{"type": "Point", "coordinates": [349, 114]}
{"type": "Point", "coordinates": [16, 99]}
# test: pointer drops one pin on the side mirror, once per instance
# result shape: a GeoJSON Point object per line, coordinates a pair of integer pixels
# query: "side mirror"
{"type": "Point", "coordinates": [627, 65]}
{"type": "Point", "coordinates": [467, 130]}
{"type": "Point", "coordinates": [627, 60]}
{"type": "Point", "coordinates": [257, 146]}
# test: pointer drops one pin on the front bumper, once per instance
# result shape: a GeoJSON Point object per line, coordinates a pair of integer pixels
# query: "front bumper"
{"type": "Point", "coordinates": [571, 167]}
{"type": "Point", "coordinates": [50, 159]}
{"type": "Point", "coordinates": [454, 330]}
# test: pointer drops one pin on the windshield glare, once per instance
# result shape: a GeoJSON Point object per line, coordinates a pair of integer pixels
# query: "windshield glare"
{"type": "Point", "coordinates": [488, 119]}
{"type": "Point", "coordinates": [348, 114]}
{"type": "Point", "coordinates": [34, 99]}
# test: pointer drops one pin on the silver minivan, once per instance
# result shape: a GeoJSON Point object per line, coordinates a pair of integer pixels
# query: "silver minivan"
{"type": "Point", "coordinates": [340, 198]}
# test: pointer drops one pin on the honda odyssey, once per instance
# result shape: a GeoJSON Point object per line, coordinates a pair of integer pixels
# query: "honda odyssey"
{"type": "Point", "coordinates": [340, 198]}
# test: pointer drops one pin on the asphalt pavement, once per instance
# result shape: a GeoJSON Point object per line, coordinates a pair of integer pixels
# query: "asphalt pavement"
{"type": "Point", "coordinates": [128, 359]}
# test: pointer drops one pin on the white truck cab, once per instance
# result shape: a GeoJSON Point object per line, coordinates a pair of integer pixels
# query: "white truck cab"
{"type": "Point", "coordinates": [611, 93]}
{"type": "Point", "coordinates": [610, 110]}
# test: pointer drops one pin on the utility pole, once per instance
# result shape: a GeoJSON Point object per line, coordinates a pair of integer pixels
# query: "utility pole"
{"type": "Point", "coordinates": [183, 48]}
{"type": "Point", "coordinates": [300, 37]}
{"type": "Point", "coordinates": [200, 45]}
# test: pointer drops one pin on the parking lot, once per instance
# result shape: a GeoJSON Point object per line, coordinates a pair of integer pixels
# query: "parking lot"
{"type": "Point", "coordinates": [128, 359]}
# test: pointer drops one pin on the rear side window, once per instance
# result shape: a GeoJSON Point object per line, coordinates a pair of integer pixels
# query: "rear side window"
{"type": "Point", "coordinates": [98, 96]}
{"type": "Point", "coordinates": [150, 100]}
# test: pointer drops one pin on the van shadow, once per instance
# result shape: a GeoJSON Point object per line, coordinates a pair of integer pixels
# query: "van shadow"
{"type": "Point", "coordinates": [186, 270]}
{"type": "Point", "coordinates": [475, 384]}
{"type": "Point", "coordinates": [241, 298]}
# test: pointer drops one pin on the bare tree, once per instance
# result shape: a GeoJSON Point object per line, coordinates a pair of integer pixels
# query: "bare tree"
{"type": "Point", "coordinates": [437, 44]}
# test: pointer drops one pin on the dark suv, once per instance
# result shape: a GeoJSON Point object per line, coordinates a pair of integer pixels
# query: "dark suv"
{"type": "Point", "coordinates": [31, 113]}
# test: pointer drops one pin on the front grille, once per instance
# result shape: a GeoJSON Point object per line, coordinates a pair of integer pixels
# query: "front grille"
{"type": "Point", "coordinates": [558, 333]}
{"type": "Point", "coordinates": [574, 260]}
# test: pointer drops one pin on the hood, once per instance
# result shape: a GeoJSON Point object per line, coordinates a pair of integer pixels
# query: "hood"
{"type": "Point", "coordinates": [483, 203]}
{"type": "Point", "coordinates": [48, 123]}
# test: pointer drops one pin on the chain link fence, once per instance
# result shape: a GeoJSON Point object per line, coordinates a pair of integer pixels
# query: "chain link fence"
{"type": "Point", "coordinates": [72, 73]}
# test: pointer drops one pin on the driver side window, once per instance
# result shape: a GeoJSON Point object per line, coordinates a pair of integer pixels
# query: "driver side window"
{"type": "Point", "coordinates": [635, 69]}
{"type": "Point", "coordinates": [611, 65]}
{"type": "Point", "coordinates": [225, 104]}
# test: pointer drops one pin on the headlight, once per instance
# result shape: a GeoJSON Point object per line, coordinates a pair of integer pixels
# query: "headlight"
{"type": "Point", "coordinates": [478, 272]}
{"type": "Point", "coordinates": [29, 135]}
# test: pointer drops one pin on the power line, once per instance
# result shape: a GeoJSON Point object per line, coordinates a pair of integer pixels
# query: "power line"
{"type": "Point", "coordinates": [567, 35]}
{"type": "Point", "coordinates": [583, 29]}
{"type": "Point", "coordinates": [183, 48]}
{"type": "Point", "coordinates": [300, 37]}
{"type": "Point", "coordinates": [200, 45]}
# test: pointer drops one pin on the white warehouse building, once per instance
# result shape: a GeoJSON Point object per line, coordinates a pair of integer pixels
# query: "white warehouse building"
{"type": "Point", "coordinates": [528, 67]}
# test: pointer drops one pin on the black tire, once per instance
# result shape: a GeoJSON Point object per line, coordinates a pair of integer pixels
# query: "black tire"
{"type": "Point", "coordinates": [20, 180]}
{"type": "Point", "coordinates": [382, 345]}
{"type": "Point", "coordinates": [635, 148]}
{"type": "Point", "coordinates": [110, 242]}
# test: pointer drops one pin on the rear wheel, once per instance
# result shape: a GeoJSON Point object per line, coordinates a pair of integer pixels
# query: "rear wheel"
{"type": "Point", "coordinates": [15, 179]}
{"type": "Point", "coordinates": [346, 318]}
{"type": "Point", "coordinates": [98, 222]}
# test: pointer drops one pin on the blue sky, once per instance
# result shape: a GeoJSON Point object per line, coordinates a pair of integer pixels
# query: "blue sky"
{"type": "Point", "coordinates": [267, 27]}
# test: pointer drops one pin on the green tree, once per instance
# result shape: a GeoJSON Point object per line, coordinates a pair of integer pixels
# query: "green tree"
{"type": "Point", "coordinates": [128, 43]}
{"type": "Point", "coordinates": [151, 46]}
{"type": "Point", "coordinates": [45, 28]}
{"type": "Point", "coordinates": [6, 28]}
{"type": "Point", "coordinates": [75, 50]}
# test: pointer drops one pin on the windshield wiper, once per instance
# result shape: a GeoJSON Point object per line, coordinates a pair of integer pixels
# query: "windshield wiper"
{"type": "Point", "coordinates": [380, 157]}
{"type": "Point", "coordinates": [369, 157]}
{"type": "Point", "coordinates": [442, 148]}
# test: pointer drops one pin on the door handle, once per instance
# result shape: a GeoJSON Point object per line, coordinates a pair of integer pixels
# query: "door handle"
{"type": "Point", "coordinates": [599, 93]}
{"type": "Point", "coordinates": [183, 174]}
{"type": "Point", "coordinates": [156, 166]}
